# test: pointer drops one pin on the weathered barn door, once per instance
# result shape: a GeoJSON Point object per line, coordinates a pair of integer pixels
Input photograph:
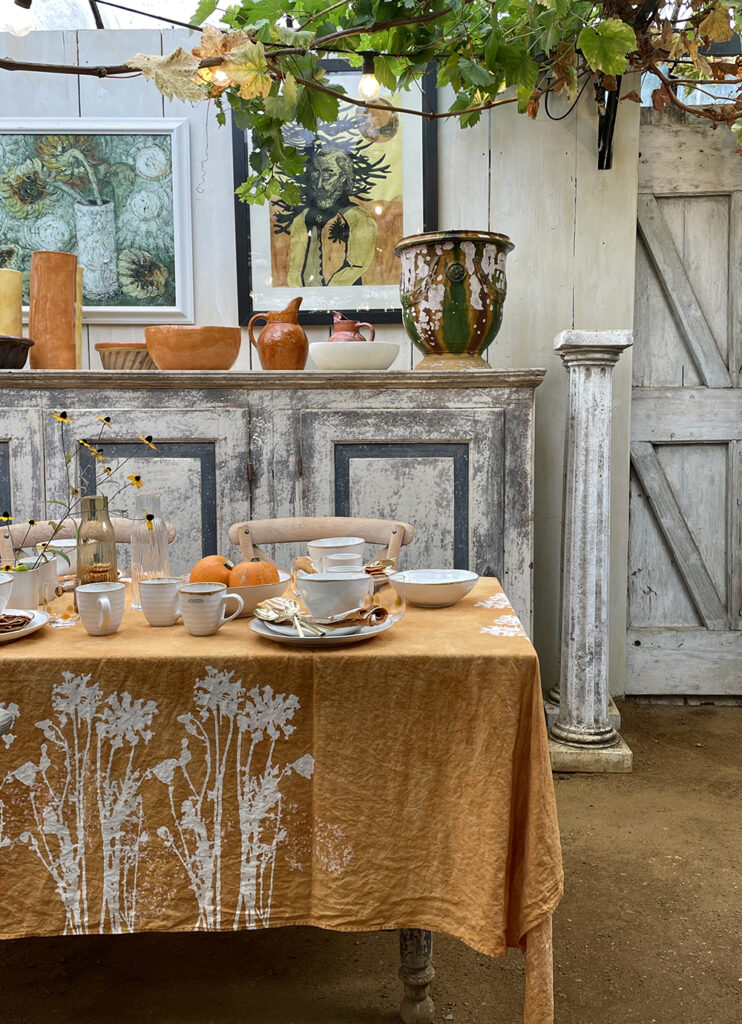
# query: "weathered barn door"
{"type": "Point", "coordinates": [685, 516]}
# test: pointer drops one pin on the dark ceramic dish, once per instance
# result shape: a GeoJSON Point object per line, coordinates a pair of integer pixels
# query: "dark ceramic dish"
{"type": "Point", "coordinates": [13, 352]}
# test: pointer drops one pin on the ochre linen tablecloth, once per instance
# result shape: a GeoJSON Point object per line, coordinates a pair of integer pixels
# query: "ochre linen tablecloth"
{"type": "Point", "coordinates": [155, 781]}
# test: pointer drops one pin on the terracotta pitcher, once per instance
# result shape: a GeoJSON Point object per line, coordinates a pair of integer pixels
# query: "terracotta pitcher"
{"type": "Point", "coordinates": [349, 330]}
{"type": "Point", "coordinates": [282, 344]}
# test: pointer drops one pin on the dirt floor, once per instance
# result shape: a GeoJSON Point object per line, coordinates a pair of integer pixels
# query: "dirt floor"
{"type": "Point", "coordinates": [650, 928]}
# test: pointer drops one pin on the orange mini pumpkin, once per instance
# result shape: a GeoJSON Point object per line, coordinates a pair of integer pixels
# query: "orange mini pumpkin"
{"type": "Point", "coordinates": [212, 569]}
{"type": "Point", "coordinates": [253, 574]}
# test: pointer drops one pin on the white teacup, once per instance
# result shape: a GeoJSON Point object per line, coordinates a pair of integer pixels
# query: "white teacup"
{"type": "Point", "coordinates": [327, 595]}
{"type": "Point", "coordinates": [6, 585]}
{"type": "Point", "coordinates": [203, 607]}
{"type": "Point", "coordinates": [159, 600]}
{"type": "Point", "coordinates": [101, 607]}
{"type": "Point", "coordinates": [320, 549]}
{"type": "Point", "coordinates": [69, 547]}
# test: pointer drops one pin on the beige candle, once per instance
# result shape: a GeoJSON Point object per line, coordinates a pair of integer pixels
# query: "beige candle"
{"type": "Point", "coordinates": [11, 303]}
{"type": "Point", "coordinates": [78, 321]}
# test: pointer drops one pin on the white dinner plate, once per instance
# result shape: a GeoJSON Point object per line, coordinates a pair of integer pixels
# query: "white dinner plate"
{"type": "Point", "coordinates": [364, 633]}
{"type": "Point", "coordinates": [38, 619]}
{"type": "Point", "coordinates": [287, 630]}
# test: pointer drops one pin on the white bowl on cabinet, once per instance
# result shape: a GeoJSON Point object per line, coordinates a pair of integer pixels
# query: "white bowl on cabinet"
{"type": "Point", "coordinates": [353, 355]}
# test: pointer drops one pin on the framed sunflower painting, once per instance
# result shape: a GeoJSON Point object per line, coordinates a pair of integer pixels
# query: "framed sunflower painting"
{"type": "Point", "coordinates": [116, 193]}
{"type": "Point", "coordinates": [370, 178]}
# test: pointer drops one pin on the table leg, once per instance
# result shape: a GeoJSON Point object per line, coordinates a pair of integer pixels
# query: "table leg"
{"type": "Point", "coordinates": [416, 972]}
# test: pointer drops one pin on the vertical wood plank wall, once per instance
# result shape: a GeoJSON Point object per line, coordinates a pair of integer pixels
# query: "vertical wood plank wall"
{"type": "Point", "coordinates": [573, 226]}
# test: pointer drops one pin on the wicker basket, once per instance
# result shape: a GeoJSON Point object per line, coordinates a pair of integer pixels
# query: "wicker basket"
{"type": "Point", "coordinates": [118, 356]}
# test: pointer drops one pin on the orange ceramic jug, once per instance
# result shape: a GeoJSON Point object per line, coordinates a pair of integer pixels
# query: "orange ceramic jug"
{"type": "Point", "coordinates": [348, 330]}
{"type": "Point", "coordinates": [282, 344]}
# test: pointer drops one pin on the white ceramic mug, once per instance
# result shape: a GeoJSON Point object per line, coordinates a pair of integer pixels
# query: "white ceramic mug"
{"type": "Point", "coordinates": [6, 585]}
{"type": "Point", "coordinates": [326, 595]}
{"type": "Point", "coordinates": [320, 549]}
{"type": "Point", "coordinates": [159, 599]}
{"type": "Point", "coordinates": [203, 607]}
{"type": "Point", "coordinates": [101, 607]}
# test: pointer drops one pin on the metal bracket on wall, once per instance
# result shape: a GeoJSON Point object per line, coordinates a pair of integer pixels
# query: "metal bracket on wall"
{"type": "Point", "coordinates": [607, 100]}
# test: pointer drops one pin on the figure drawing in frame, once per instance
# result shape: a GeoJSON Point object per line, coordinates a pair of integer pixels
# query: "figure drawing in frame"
{"type": "Point", "coordinates": [350, 215]}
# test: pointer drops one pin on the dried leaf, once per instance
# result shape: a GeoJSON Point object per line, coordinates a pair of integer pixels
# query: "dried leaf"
{"type": "Point", "coordinates": [210, 44]}
{"type": "Point", "coordinates": [609, 82]}
{"type": "Point", "coordinates": [633, 96]}
{"type": "Point", "coordinates": [716, 26]}
{"type": "Point", "coordinates": [661, 98]}
{"type": "Point", "coordinates": [666, 37]}
{"type": "Point", "coordinates": [172, 74]}
{"type": "Point", "coordinates": [533, 104]}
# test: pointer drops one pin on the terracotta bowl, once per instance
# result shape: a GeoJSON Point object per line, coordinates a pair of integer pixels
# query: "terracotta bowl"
{"type": "Point", "coordinates": [182, 347]}
{"type": "Point", "coordinates": [13, 352]}
{"type": "Point", "coordinates": [117, 356]}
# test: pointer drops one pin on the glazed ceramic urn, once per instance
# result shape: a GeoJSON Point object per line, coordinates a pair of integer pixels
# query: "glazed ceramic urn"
{"type": "Point", "coordinates": [453, 290]}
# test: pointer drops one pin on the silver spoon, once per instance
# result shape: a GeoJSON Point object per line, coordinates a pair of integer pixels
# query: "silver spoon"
{"type": "Point", "coordinates": [282, 609]}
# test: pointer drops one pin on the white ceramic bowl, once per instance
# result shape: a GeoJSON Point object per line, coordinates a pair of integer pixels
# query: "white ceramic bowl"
{"type": "Point", "coordinates": [433, 588]}
{"type": "Point", "coordinates": [353, 355]}
{"type": "Point", "coordinates": [69, 546]}
{"type": "Point", "coordinates": [320, 549]}
{"type": "Point", "coordinates": [252, 596]}
{"type": "Point", "coordinates": [327, 595]}
{"type": "Point", "coordinates": [6, 585]}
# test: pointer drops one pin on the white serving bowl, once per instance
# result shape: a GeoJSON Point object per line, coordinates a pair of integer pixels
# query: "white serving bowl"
{"type": "Point", "coordinates": [353, 355]}
{"type": "Point", "coordinates": [433, 588]}
{"type": "Point", "coordinates": [69, 546]}
{"type": "Point", "coordinates": [252, 596]}
{"type": "Point", "coordinates": [320, 549]}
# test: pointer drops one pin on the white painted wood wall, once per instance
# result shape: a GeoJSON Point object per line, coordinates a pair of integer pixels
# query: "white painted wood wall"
{"type": "Point", "coordinates": [573, 265]}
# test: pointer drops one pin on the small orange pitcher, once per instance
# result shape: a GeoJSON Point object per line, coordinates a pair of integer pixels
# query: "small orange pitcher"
{"type": "Point", "coordinates": [282, 344]}
{"type": "Point", "coordinates": [349, 330]}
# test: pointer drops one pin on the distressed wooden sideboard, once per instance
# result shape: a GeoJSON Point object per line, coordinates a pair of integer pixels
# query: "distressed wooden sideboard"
{"type": "Point", "coordinates": [450, 452]}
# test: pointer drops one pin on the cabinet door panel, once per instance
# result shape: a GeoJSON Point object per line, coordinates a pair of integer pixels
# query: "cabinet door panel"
{"type": "Point", "coordinates": [441, 470]}
{"type": "Point", "coordinates": [199, 468]}
{"type": "Point", "coordinates": [21, 459]}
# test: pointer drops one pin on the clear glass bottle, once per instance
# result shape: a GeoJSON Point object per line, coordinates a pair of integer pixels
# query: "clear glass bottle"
{"type": "Point", "coordinates": [96, 542]}
{"type": "Point", "coordinates": [149, 554]}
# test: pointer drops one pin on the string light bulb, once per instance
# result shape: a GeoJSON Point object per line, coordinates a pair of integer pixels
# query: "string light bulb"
{"type": "Point", "coordinates": [368, 87]}
{"type": "Point", "coordinates": [19, 19]}
{"type": "Point", "coordinates": [221, 77]}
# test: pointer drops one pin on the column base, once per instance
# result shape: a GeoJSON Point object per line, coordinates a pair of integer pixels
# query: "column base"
{"type": "Point", "coordinates": [616, 759]}
{"type": "Point", "coordinates": [552, 712]}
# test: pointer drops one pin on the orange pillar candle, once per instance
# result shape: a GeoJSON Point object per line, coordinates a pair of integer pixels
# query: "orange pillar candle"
{"type": "Point", "coordinates": [11, 303]}
{"type": "Point", "coordinates": [51, 317]}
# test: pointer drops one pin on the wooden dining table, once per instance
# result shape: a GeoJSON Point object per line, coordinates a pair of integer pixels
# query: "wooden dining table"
{"type": "Point", "coordinates": [157, 781]}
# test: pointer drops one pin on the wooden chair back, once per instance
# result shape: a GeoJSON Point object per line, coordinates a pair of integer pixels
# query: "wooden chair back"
{"type": "Point", "coordinates": [17, 535]}
{"type": "Point", "coordinates": [252, 533]}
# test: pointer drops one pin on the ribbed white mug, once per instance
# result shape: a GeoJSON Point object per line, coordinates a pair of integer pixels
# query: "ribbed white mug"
{"type": "Point", "coordinates": [203, 607]}
{"type": "Point", "coordinates": [159, 600]}
{"type": "Point", "coordinates": [101, 607]}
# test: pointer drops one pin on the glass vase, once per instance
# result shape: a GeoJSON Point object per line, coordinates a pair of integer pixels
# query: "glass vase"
{"type": "Point", "coordinates": [149, 554]}
{"type": "Point", "coordinates": [96, 542]}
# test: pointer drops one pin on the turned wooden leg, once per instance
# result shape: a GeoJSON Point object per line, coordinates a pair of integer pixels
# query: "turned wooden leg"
{"type": "Point", "coordinates": [416, 972]}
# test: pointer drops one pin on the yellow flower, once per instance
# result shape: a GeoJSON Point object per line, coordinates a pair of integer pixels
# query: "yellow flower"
{"type": "Point", "coordinates": [6, 518]}
{"type": "Point", "coordinates": [141, 276]}
{"type": "Point", "coordinates": [107, 470]}
{"type": "Point", "coordinates": [148, 441]}
{"type": "Point", "coordinates": [27, 189]}
{"type": "Point", "coordinates": [32, 522]}
{"type": "Point", "coordinates": [135, 480]}
{"type": "Point", "coordinates": [106, 420]}
{"type": "Point", "coordinates": [61, 416]}
{"type": "Point", "coordinates": [150, 518]}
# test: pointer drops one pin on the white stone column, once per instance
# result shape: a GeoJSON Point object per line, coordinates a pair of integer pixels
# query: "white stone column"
{"type": "Point", "coordinates": [582, 738]}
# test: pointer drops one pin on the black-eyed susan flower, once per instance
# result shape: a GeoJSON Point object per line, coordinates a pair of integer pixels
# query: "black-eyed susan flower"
{"type": "Point", "coordinates": [6, 517]}
{"type": "Point", "coordinates": [32, 522]}
{"type": "Point", "coordinates": [135, 480]}
{"type": "Point", "coordinates": [107, 470]}
{"type": "Point", "coordinates": [106, 420]}
{"type": "Point", "coordinates": [148, 441]}
{"type": "Point", "coordinates": [149, 517]}
{"type": "Point", "coordinates": [61, 416]}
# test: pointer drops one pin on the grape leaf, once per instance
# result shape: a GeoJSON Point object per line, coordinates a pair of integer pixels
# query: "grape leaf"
{"type": "Point", "coordinates": [716, 27]}
{"type": "Point", "coordinates": [202, 12]}
{"type": "Point", "coordinates": [253, 74]}
{"type": "Point", "coordinates": [606, 46]}
{"type": "Point", "coordinates": [172, 74]}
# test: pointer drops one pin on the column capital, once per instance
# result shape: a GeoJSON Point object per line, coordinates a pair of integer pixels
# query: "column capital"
{"type": "Point", "coordinates": [592, 347]}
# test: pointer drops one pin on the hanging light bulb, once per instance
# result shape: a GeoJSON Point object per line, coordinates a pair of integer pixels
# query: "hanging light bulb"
{"type": "Point", "coordinates": [368, 87]}
{"type": "Point", "coordinates": [19, 19]}
{"type": "Point", "coordinates": [221, 77]}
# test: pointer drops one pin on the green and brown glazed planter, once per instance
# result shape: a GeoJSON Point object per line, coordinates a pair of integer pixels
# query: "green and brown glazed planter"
{"type": "Point", "coordinates": [453, 289]}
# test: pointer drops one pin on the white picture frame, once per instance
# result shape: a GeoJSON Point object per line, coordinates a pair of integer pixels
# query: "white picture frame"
{"type": "Point", "coordinates": [160, 181]}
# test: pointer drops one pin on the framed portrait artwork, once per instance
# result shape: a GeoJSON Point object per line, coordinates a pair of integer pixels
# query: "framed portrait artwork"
{"type": "Point", "coordinates": [371, 178]}
{"type": "Point", "coordinates": [116, 193]}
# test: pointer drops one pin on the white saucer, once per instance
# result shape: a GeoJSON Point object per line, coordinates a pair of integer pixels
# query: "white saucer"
{"type": "Point", "coordinates": [364, 633]}
{"type": "Point", "coordinates": [38, 619]}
